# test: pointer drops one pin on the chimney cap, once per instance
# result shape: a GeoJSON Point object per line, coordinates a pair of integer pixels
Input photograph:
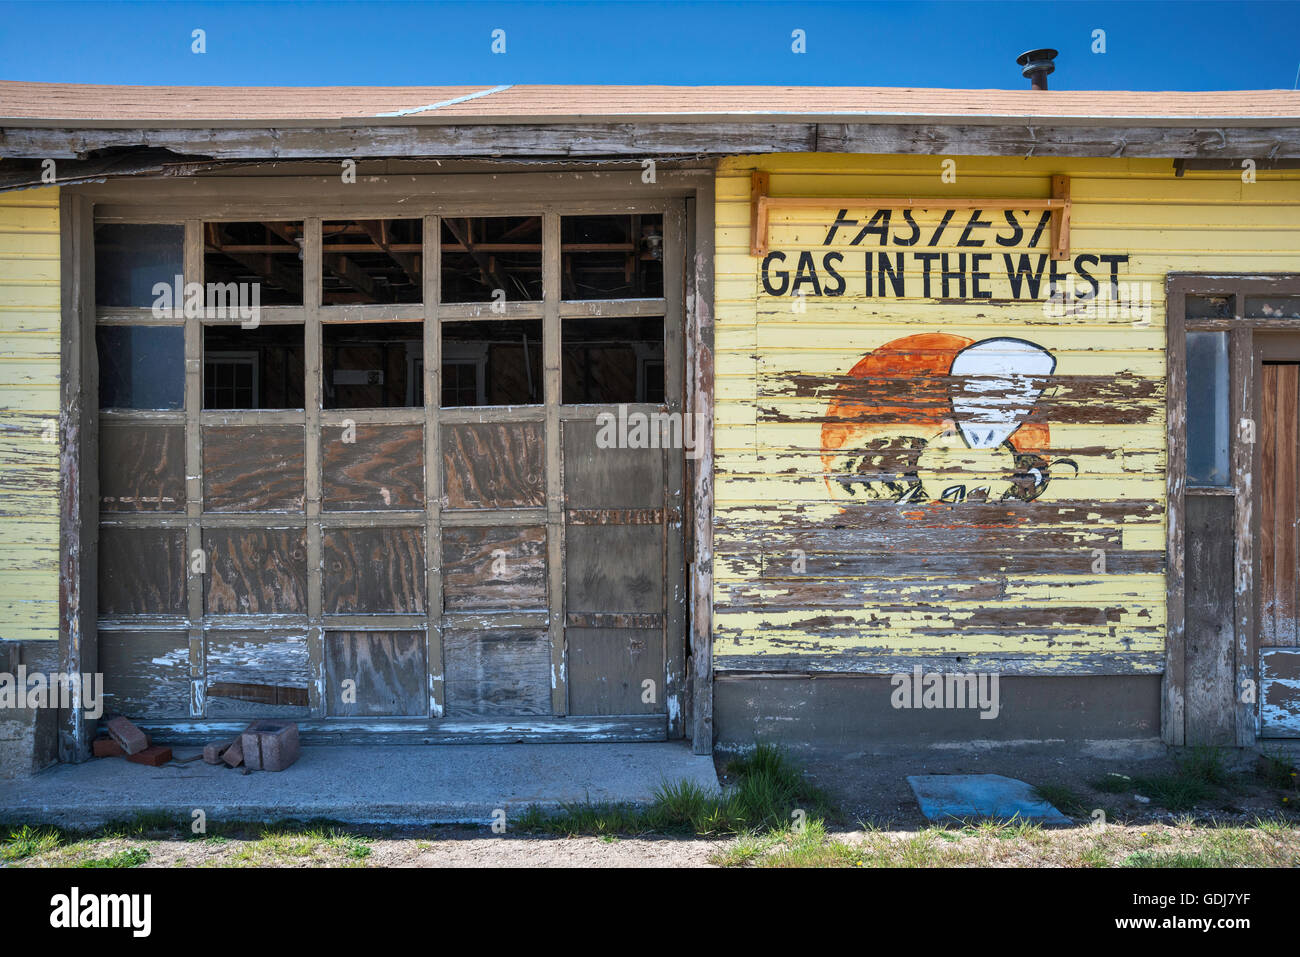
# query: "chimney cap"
{"type": "Point", "coordinates": [1040, 59]}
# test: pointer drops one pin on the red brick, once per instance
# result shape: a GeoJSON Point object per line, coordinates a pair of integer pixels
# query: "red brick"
{"type": "Point", "coordinates": [155, 756]}
{"type": "Point", "coordinates": [106, 748]}
{"type": "Point", "coordinates": [131, 738]}
{"type": "Point", "coordinates": [212, 752]}
{"type": "Point", "coordinates": [234, 755]}
{"type": "Point", "coordinates": [270, 745]}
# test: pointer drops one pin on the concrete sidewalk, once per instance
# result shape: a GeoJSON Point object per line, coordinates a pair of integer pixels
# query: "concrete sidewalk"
{"type": "Point", "coordinates": [400, 784]}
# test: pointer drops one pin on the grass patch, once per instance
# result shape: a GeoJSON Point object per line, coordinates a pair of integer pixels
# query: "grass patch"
{"type": "Point", "coordinates": [26, 841]}
{"type": "Point", "coordinates": [305, 844]}
{"type": "Point", "coordinates": [1112, 783]}
{"type": "Point", "coordinates": [131, 857]}
{"type": "Point", "coordinates": [1199, 774]}
{"type": "Point", "coordinates": [769, 796]}
{"type": "Point", "coordinates": [1063, 798]}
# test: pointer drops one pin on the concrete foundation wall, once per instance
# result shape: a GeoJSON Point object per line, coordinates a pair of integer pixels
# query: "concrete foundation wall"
{"type": "Point", "coordinates": [854, 713]}
{"type": "Point", "coordinates": [28, 736]}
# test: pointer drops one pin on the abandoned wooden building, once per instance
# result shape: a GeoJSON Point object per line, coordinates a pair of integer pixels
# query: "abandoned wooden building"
{"type": "Point", "coordinates": [722, 414]}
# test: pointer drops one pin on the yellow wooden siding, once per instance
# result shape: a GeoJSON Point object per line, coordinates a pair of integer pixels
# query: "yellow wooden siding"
{"type": "Point", "coordinates": [873, 586]}
{"type": "Point", "coordinates": [29, 414]}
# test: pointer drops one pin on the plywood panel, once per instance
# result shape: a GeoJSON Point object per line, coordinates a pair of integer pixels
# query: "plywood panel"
{"type": "Point", "coordinates": [374, 570]}
{"type": "Point", "coordinates": [1280, 505]}
{"type": "Point", "coordinates": [608, 668]}
{"type": "Point", "coordinates": [1279, 702]}
{"type": "Point", "coordinates": [142, 468]}
{"type": "Point", "coordinates": [386, 670]}
{"type": "Point", "coordinates": [493, 568]}
{"type": "Point", "coordinates": [1210, 621]}
{"type": "Point", "coordinates": [382, 469]}
{"type": "Point", "coordinates": [146, 673]}
{"type": "Point", "coordinates": [498, 672]}
{"type": "Point", "coordinates": [142, 571]}
{"type": "Point", "coordinates": [256, 674]}
{"type": "Point", "coordinates": [255, 571]}
{"type": "Point", "coordinates": [494, 465]}
{"type": "Point", "coordinates": [253, 468]}
{"type": "Point", "coordinates": [609, 478]}
{"type": "Point", "coordinates": [614, 568]}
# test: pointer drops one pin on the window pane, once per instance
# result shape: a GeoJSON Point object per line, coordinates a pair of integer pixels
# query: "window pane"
{"type": "Point", "coordinates": [484, 254]}
{"type": "Point", "coordinates": [373, 365]}
{"type": "Point", "coordinates": [130, 258]}
{"type": "Point", "coordinates": [1273, 307]}
{"type": "Point", "coordinates": [258, 368]}
{"type": "Point", "coordinates": [372, 261]}
{"type": "Point", "coordinates": [1207, 408]}
{"type": "Point", "coordinates": [492, 363]}
{"type": "Point", "coordinates": [1209, 307]}
{"type": "Point", "coordinates": [612, 257]}
{"type": "Point", "coordinates": [141, 367]}
{"type": "Point", "coordinates": [268, 255]}
{"type": "Point", "coordinates": [612, 360]}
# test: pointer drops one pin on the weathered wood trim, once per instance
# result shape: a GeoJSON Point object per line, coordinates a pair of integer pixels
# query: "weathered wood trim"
{"type": "Point", "coordinates": [996, 137]}
{"type": "Point", "coordinates": [551, 372]}
{"type": "Point", "coordinates": [524, 729]}
{"type": "Point", "coordinates": [313, 382]}
{"type": "Point", "coordinates": [675, 589]}
{"type": "Point", "coordinates": [699, 402]}
{"type": "Point", "coordinates": [1077, 663]}
{"type": "Point", "coordinates": [434, 652]}
{"type": "Point", "coordinates": [1172, 717]}
{"type": "Point", "coordinates": [78, 465]}
{"type": "Point", "coordinates": [1244, 420]}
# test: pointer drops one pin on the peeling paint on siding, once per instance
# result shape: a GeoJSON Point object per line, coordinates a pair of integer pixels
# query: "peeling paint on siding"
{"type": "Point", "coordinates": [29, 415]}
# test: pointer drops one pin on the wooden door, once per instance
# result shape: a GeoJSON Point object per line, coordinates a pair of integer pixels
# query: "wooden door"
{"type": "Point", "coordinates": [1279, 548]}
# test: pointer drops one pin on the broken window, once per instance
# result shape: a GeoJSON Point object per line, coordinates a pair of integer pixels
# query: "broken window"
{"type": "Point", "coordinates": [373, 365]}
{"type": "Point", "coordinates": [258, 368]}
{"type": "Point", "coordinates": [372, 261]}
{"type": "Point", "coordinates": [612, 360]}
{"type": "Point", "coordinates": [492, 362]}
{"type": "Point", "coordinates": [267, 255]}
{"type": "Point", "coordinates": [1273, 307]}
{"type": "Point", "coordinates": [612, 257]}
{"type": "Point", "coordinates": [491, 259]}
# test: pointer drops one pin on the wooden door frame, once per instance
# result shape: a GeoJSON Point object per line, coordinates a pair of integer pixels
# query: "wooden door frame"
{"type": "Point", "coordinates": [1242, 335]}
{"type": "Point", "coordinates": [311, 198]}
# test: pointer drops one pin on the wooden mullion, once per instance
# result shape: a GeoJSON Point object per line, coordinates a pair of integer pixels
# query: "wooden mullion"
{"type": "Point", "coordinates": [195, 582]}
{"type": "Point", "coordinates": [434, 653]}
{"type": "Point", "coordinates": [312, 379]}
{"type": "Point", "coordinates": [674, 590]}
{"type": "Point", "coordinates": [554, 474]}
{"type": "Point", "coordinates": [699, 348]}
{"type": "Point", "coordinates": [1245, 426]}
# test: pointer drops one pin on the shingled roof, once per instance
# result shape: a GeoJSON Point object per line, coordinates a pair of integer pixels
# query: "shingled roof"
{"type": "Point", "coordinates": [88, 106]}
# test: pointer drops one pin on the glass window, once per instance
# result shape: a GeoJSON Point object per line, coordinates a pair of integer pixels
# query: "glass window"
{"type": "Point", "coordinates": [1209, 307]}
{"type": "Point", "coordinates": [372, 261]}
{"type": "Point", "coordinates": [265, 255]}
{"type": "Point", "coordinates": [373, 365]}
{"type": "Point", "coordinates": [258, 368]}
{"type": "Point", "coordinates": [130, 259]}
{"type": "Point", "coordinates": [491, 259]}
{"type": "Point", "coordinates": [612, 360]}
{"type": "Point", "coordinates": [141, 367]}
{"type": "Point", "coordinates": [492, 362]}
{"type": "Point", "coordinates": [612, 257]}
{"type": "Point", "coordinates": [1273, 307]}
{"type": "Point", "coordinates": [1207, 408]}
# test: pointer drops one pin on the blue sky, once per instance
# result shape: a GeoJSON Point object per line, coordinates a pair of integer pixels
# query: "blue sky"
{"type": "Point", "coordinates": [1183, 45]}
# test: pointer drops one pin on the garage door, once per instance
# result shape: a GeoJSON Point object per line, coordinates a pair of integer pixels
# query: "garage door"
{"type": "Point", "coordinates": [411, 474]}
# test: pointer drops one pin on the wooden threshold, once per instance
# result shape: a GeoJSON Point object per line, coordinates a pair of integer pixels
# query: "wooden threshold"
{"type": "Point", "coordinates": [485, 730]}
